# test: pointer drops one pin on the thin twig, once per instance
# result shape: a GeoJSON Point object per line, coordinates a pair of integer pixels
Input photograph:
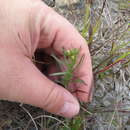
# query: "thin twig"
{"type": "Point", "coordinates": [108, 67]}
{"type": "Point", "coordinates": [47, 116]}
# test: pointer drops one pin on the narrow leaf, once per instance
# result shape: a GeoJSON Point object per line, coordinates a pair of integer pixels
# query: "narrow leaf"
{"type": "Point", "coordinates": [58, 74]}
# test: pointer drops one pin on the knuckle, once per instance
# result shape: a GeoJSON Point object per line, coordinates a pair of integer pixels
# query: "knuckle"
{"type": "Point", "coordinates": [54, 100]}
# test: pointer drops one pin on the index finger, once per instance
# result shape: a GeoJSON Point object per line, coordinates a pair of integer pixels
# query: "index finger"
{"type": "Point", "coordinates": [58, 33]}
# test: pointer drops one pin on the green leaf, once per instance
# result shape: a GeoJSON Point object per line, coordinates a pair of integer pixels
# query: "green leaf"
{"type": "Point", "coordinates": [96, 27]}
{"type": "Point", "coordinates": [58, 74]}
{"type": "Point", "coordinates": [94, 30]}
{"type": "Point", "coordinates": [65, 58]}
{"type": "Point", "coordinates": [86, 21]}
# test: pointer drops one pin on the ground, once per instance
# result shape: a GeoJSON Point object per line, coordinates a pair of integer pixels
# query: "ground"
{"type": "Point", "coordinates": [110, 50]}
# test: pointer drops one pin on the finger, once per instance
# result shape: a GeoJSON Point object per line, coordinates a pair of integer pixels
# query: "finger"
{"type": "Point", "coordinates": [24, 83]}
{"type": "Point", "coordinates": [78, 90]}
{"type": "Point", "coordinates": [57, 32]}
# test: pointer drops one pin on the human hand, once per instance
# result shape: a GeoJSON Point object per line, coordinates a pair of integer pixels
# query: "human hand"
{"type": "Point", "coordinates": [24, 27]}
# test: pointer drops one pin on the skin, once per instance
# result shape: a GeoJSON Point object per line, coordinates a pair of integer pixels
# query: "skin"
{"type": "Point", "coordinates": [24, 27]}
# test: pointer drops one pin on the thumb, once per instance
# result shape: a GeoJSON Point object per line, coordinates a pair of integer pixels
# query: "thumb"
{"type": "Point", "coordinates": [30, 86]}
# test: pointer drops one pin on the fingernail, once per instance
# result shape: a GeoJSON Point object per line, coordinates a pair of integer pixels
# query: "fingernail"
{"type": "Point", "coordinates": [70, 107]}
